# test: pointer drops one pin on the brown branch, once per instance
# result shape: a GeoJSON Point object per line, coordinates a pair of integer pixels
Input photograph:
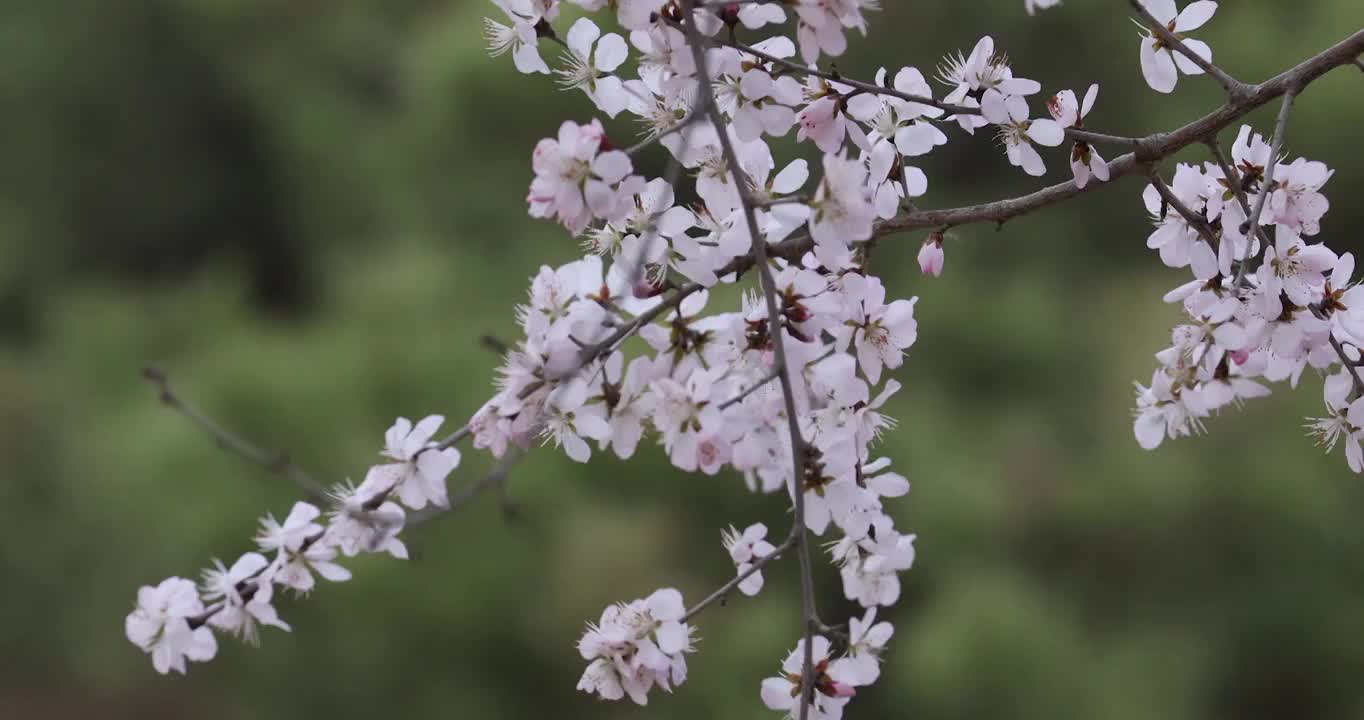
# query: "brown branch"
{"type": "Point", "coordinates": [769, 288]}
{"type": "Point", "coordinates": [839, 78]}
{"type": "Point", "coordinates": [758, 565]}
{"type": "Point", "coordinates": [1196, 221]}
{"type": "Point", "coordinates": [1234, 182]}
{"type": "Point", "coordinates": [1148, 150]}
{"type": "Point", "coordinates": [1267, 182]}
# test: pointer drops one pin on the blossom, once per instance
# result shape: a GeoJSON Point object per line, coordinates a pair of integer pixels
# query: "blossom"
{"type": "Point", "coordinates": [1297, 201]}
{"type": "Point", "coordinates": [757, 102]}
{"type": "Point", "coordinates": [295, 567]}
{"type": "Point", "coordinates": [833, 682]}
{"type": "Point", "coordinates": [1032, 6]}
{"type": "Point", "coordinates": [982, 73]}
{"type": "Point", "coordinates": [825, 120]}
{"type": "Point", "coordinates": [1167, 408]}
{"type": "Point", "coordinates": [1179, 243]}
{"type": "Point", "coordinates": [520, 38]}
{"type": "Point", "coordinates": [569, 419]}
{"type": "Point", "coordinates": [866, 641]}
{"type": "Point", "coordinates": [896, 119]}
{"type": "Point", "coordinates": [894, 181]}
{"type": "Point", "coordinates": [418, 476]}
{"type": "Point", "coordinates": [843, 210]}
{"type": "Point", "coordinates": [575, 180]}
{"type": "Point", "coordinates": [1019, 134]}
{"type": "Point", "coordinates": [1084, 159]}
{"type": "Point", "coordinates": [686, 416]}
{"type": "Point", "coordinates": [882, 332]}
{"type": "Point", "coordinates": [590, 59]}
{"type": "Point", "coordinates": [636, 646]}
{"type": "Point", "coordinates": [1294, 268]}
{"type": "Point", "coordinates": [166, 624]}
{"type": "Point", "coordinates": [298, 548]}
{"type": "Point", "coordinates": [1344, 419]}
{"type": "Point", "coordinates": [628, 403]}
{"type": "Point", "coordinates": [357, 526]}
{"type": "Point", "coordinates": [1161, 64]}
{"type": "Point", "coordinates": [931, 256]}
{"type": "Point", "coordinates": [820, 25]}
{"type": "Point", "coordinates": [298, 528]}
{"type": "Point", "coordinates": [245, 591]}
{"type": "Point", "coordinates": [744, 549]}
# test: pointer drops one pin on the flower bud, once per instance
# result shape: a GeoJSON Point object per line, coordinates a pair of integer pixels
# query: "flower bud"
{"type": "Point", "coordinates": [931, 256]}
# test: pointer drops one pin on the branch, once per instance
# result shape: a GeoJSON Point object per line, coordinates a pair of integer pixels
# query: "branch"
{"type": "Point", "coordinates": [769, 377]}
{"type": "Point", "coordinates": [1196, 221]}
{"type": "Point", "coordinates": [1253, 220]}
{"type": "Point", "coordinates": [778, 350]}
{"type": "Point", "coordinates": [758, 564]}
{"type": "Point", "coordinates": [1266, 184]}
{"type": "Point", "coordinates": [275, 462]}
{"type": "Point", "coordinates": [1349, 364]}
{"type": "Point", "coordinates": [1149, 149]}
{"type": "Point", "coordinates": [839, 78]}
{"type": "Point", "coordinates": [656, 138]}
{"type": "Point", "coordinates": [1234, 182]}
{"type": "Point", "coordinates": [868, 87]}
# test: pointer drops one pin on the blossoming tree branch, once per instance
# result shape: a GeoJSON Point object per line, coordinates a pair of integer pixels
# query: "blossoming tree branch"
{"type": "Point", "coordinates": [787, 389]}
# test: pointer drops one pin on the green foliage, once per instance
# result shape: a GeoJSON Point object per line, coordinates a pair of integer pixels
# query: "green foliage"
{"type": "Point", "coordinates": [164, 159]}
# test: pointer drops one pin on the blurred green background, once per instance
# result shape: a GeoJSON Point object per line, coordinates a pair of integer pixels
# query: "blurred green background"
{"type": "Point", "coordinates": [307, 211]}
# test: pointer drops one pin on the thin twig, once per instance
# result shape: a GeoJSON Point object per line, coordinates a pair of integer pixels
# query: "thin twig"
{"type": "Point", "coordinates": [778, 350]}
{"type": "Point", "coordinates": [1348, 364]}
{"type": "Point", "coordinates": [840, 78]}
{"type": "Point", "coordinates": [1151, 148]}
{"type": "Point", "coordinates": [757, 565]}
{"type": "Point", "coordinates": [1234, 182]}
{"type": "Point", "coordinates": [769, 377]}
{"type": "Point", "coordinates": [1196, 221]}
{"type": "Point", "coordinates": [275, 462]}
{"type": "Point", "coordinates": [656, 138]}
{"type": "Point", "coordinates": [1267, 182]}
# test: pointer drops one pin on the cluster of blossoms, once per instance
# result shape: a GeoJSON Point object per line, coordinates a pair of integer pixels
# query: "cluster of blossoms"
{"type": "Point", "coordinates": [785, 388]}
{"type": "Point", "coordinates": [1265, 302]}
{"type": "Point", "coordinates": [636, 646]}
{"type": "Point", "coordinates": [174, 621]}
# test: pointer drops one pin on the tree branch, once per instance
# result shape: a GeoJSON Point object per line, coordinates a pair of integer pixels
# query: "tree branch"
{"type": "Point", "coordinates": [778, 350]}
{"type": "Point", "coordinates": [1149, 149]}
{"type": "Point", "coordinates": [758, 565]}
{"type": "Point", "coordinates": [273, 461]}
{"type": "Point", "coordinates": [1196, 221]}
{"type": "Point", "coordinates": [1266, 183]}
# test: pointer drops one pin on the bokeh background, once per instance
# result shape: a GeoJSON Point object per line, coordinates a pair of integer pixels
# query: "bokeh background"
{"type": "Point", "coordinates": [308, 211]}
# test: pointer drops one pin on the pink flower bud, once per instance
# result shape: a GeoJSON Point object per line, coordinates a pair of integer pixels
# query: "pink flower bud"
{"type": "Point", "coordinates": [842, 690]}
{"type": "Point", "coordinates": [931, 256]}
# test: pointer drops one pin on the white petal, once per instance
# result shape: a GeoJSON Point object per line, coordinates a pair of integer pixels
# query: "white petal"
{"type": "Point", "coordinates": [1046, 132]}
{"type": "Point", "coordinates": [1158, 67]}
{"type": "Point", "coordinates": [1195, 15]}
{"type": "Point", "coordinates": [1199, 48]}
{"type": "Point", "coordinates": [581, 36]}
{"type": "Point", "coordinates": [611, 52]}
